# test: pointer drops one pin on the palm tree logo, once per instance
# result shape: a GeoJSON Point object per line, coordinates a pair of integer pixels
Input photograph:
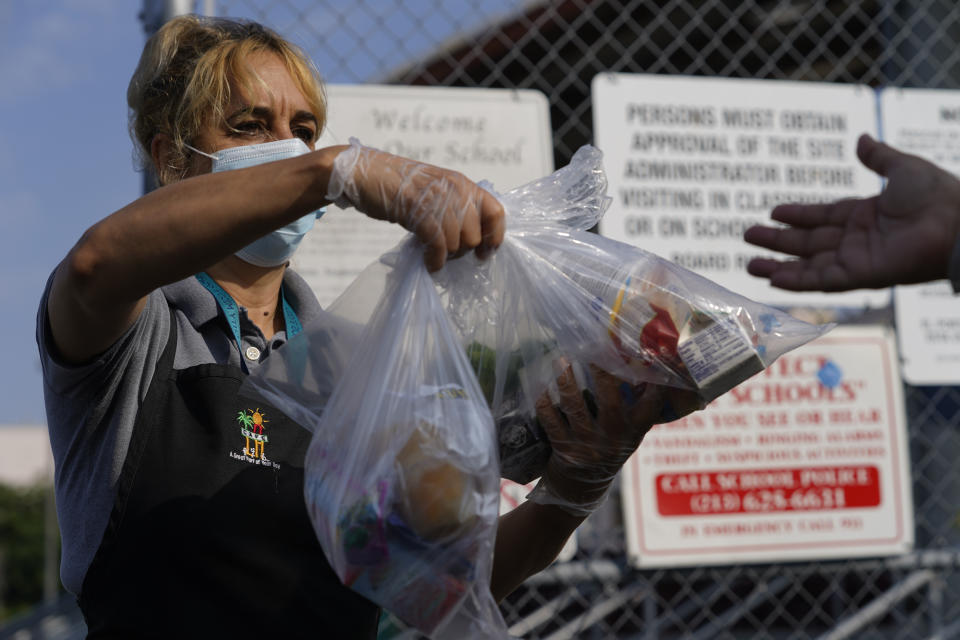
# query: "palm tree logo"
{"type": "Point", "coordinates": [251, 427]}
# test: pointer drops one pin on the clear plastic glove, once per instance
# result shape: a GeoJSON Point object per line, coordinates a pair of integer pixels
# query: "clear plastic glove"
{"type": "Point", "coordinates": [448, 212]}
{"type": "Point", "coordinates": [591, 435]}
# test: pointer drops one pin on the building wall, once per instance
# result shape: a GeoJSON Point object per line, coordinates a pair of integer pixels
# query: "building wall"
{"type": "Point", "coordinates": [25, 456]}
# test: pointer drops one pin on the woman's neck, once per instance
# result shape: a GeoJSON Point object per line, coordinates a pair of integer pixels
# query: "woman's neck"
{"type": "Point", "coordinates": [255, 288]}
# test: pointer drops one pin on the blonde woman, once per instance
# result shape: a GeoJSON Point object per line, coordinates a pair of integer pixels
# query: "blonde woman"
{"type": "Point", "coordinates": [173, 524]}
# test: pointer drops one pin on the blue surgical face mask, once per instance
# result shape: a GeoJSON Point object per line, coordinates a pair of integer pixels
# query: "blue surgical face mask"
{"type": "Point", "coordinates": [276, 247]}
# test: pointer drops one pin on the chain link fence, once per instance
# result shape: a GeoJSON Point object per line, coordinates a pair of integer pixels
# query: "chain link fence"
{"type": "Point", "coordinates": [557, 47]}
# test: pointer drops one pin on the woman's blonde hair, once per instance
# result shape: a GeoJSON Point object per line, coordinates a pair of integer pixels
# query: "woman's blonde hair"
{"type": "Point", "coordinates": [182, 82]}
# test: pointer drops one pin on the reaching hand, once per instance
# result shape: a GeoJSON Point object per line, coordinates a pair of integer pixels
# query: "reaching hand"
{"type": "Point", "coordinates": [903, 235]}
{"type": "Point", "coordinates": [591, 439]}
{"type": "Point", "coordinates": [445, 210]}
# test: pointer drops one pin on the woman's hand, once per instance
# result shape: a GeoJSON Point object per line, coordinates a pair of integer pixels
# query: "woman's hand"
{"type": "Point", "coordinates": [591, 436]}
{"type": "Point", "coordinates": [903, 235]}
{"type": "Point", "coordinates": [449, 213]}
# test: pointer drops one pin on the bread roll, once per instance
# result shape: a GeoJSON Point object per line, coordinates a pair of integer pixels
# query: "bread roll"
{"type": "Point", "coordinates": [435, 497]}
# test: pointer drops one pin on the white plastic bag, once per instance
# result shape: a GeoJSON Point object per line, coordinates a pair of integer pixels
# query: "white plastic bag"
{"type": "Point", "coordinates": [402, 481]}
{"type": "Point", "coordinates": [398, 384]}
{"type": "Point", "coordinates": [555, 291]}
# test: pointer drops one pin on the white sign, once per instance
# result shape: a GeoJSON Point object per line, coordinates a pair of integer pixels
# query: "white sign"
{"type": "Point", "coordinates": [806, 460]}
{"type": "Point", "coordinates": [693, 162]}
{"type": "Point", "coordinates": [926, 122]}
{"type": "Point", "coordinates": [499, 135]}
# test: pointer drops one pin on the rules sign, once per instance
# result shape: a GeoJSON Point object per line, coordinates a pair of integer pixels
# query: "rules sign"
{"type": "Point", "coordinates": [926, 122]}
{"type": "Point", "coordinates": [693, 162]}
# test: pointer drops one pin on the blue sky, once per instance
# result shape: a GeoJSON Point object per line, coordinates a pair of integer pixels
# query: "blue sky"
{"type": "Point", "coordinates": [65, 156]}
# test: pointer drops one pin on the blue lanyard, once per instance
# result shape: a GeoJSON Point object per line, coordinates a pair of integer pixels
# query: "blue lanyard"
{"type": "Point", "coordinates": [232, 312]}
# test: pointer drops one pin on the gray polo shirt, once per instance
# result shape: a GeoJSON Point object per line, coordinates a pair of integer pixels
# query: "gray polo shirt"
{"type": "Point", "coordinates": [91, 408]}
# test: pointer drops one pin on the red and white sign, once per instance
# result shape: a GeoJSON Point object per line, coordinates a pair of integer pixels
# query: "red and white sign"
{"type": "Point", "coordinates": [806, 460]}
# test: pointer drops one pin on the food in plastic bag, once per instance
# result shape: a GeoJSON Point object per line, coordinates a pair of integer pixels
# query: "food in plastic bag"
{"type": "Point", "coordinates": [553, 291]}
{"type": "Point", "coordinates": [401, 476]}
{"type": "Point", "coordinates": [436, 497]}
{"type": "Point", "coordinates": [402, 472]}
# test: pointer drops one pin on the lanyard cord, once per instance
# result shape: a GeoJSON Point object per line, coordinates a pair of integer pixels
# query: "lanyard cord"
{"type": "Point", "coordinates": [232, 312]}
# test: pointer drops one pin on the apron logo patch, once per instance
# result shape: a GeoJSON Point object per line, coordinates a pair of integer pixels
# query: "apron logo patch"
{"type": "Point", "coordinates": [251, 428]}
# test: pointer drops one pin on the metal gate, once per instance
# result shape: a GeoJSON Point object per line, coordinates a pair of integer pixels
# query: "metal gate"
{"type": "Point", "coordinates": [557, 47]}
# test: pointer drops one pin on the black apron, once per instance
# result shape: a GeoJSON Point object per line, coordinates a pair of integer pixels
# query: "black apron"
{"type": "Point", "coordinates": [209, 535]}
